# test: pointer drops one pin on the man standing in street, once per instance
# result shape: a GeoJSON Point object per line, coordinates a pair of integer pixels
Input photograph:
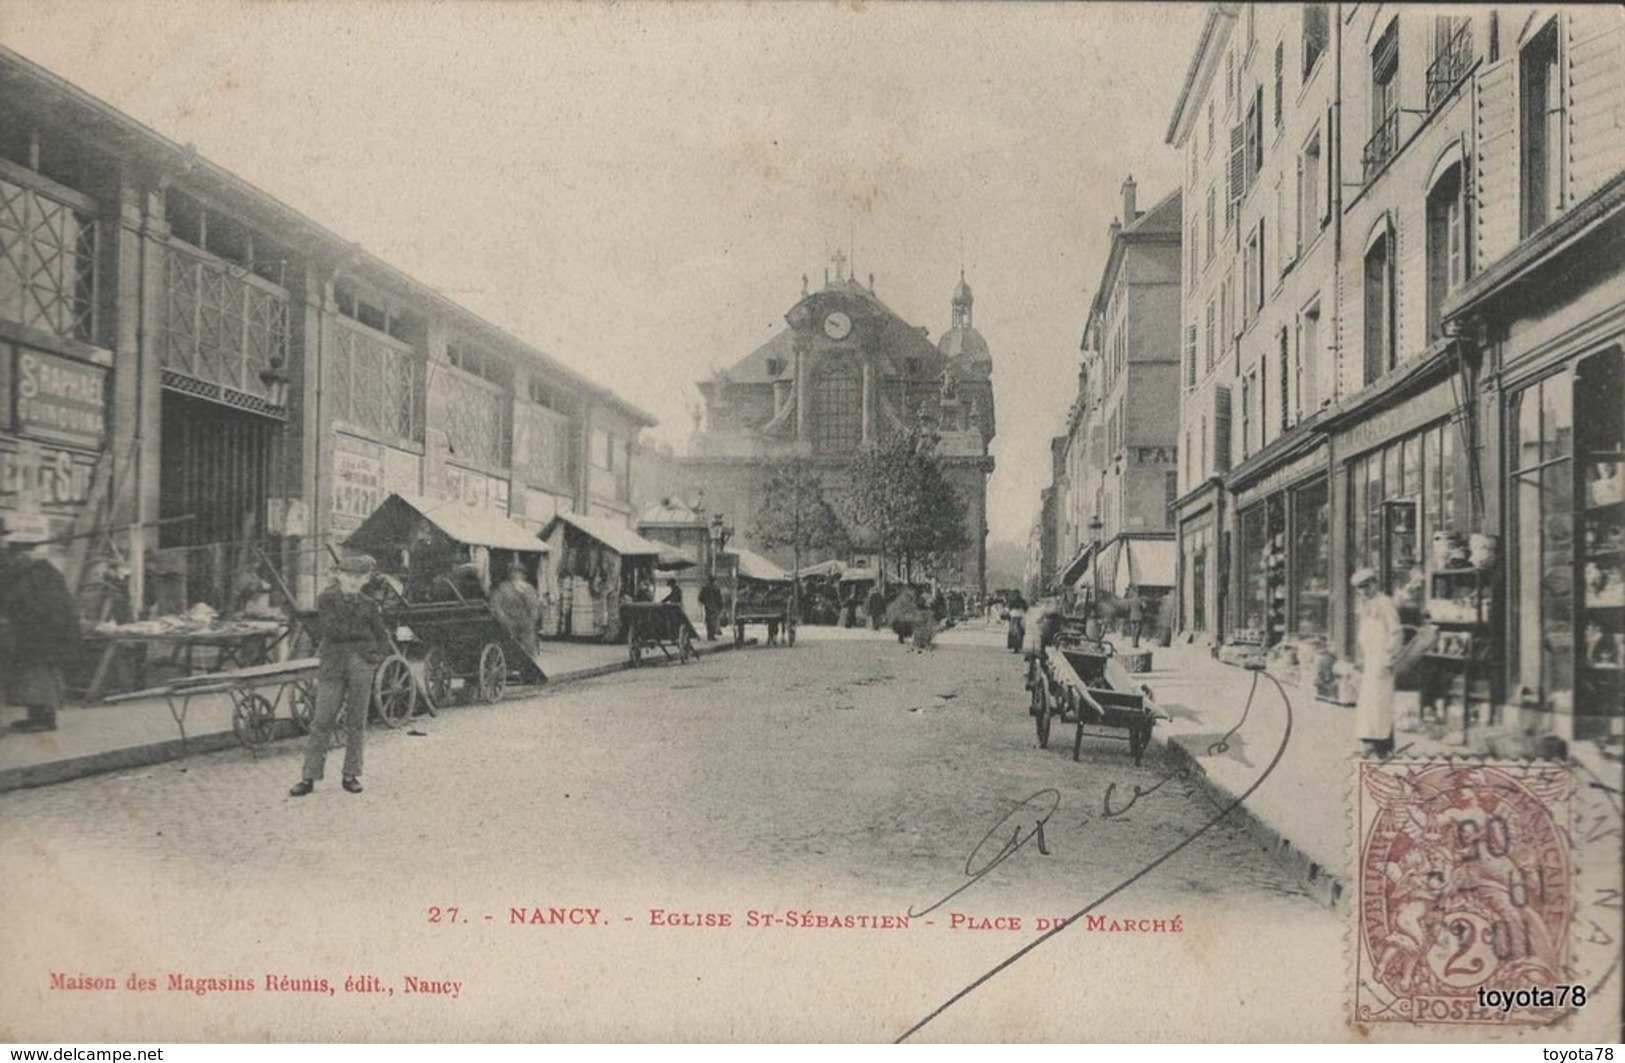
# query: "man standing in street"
{"type": "Point", "coordinates": [43, 620]}
{"type": "Point", "coordinates": [517, 605]}
{"type": "Point", "coordinates": [711, 602]}
{"type": "Point", "coordinates": [353, 643]}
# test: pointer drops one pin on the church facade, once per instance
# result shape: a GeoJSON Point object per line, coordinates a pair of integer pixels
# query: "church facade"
{"type": "Point", "coordinates": [847, 372]}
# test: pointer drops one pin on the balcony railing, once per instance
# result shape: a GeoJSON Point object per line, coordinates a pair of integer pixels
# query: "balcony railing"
{"type": "Point", "coordinates": [1451, 64]}
{"type": "Point", "coordinates": [1382, 145]}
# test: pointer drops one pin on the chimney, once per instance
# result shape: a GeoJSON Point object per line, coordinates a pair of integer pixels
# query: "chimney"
{"type": "Point", "coordinates": [1129, 213]}
{"type": "Point", "coordinates": [1115, 228]}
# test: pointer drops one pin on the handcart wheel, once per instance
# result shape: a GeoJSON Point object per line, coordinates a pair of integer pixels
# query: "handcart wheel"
{"type": "Point", "coordinates": [393, 691]}
{"type": "Point", "coordinates": [634, 647]}
{"type": "Point", "coordinates": [493, 673]}
{"type": "Point", "coordinates": [790, 633]}
{"type": "Point", "coordinates": [302, 703]}
{"type": "Point", "coordinates": [252, 720]}
{"type": "Point", "coordinates": [685, 647]}
{"type": "Point", "coordinates": [1042, 698]}
{"type": "Point", "coordinates": [438, 676]}
{"type": "Point", "coordinates": [1035, 684]}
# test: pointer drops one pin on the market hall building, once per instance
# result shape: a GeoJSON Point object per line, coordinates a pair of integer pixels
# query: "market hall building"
{"type": "Point", "coordinates": [192, 373]}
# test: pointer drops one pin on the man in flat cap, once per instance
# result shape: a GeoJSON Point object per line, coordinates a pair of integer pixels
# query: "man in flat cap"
{"type": "Point", "coordinates": [353, 643]}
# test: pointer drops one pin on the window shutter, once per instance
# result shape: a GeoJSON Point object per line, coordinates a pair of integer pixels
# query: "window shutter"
{"type": "Point", "coordinates": [1238, 166]}
{"type": "Point", "coordinates": [1221, 429]}
{"type": "Point", "coordinates": [1496, 204]}
{"type": "Point", "coordinates": [1410, 285]}
{"type": "Point", "coordinates": [1329, 164]}
{"type": "Point", "coordinates": [1595, 99]}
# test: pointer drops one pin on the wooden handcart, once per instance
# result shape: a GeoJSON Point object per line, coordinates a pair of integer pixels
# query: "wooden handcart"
{"type": "Point", "coordinates": [1078, 680]}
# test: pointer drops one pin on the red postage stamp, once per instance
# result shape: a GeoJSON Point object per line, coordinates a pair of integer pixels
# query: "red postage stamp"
{"type": "Point", "coordinates": [1465, 891]}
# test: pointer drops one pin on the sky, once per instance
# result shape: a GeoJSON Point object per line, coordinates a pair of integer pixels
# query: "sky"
{"type": "Point", "coordinates": [638, 188]}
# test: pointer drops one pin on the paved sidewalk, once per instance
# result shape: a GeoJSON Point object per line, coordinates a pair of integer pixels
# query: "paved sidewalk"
{"type": "Point", "coordinates": [91, 739]}
{"type": "Point", "coordinates": [1299, 809]}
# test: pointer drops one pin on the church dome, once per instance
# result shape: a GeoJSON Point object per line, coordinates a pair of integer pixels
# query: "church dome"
{"type": "Point", "coordinates": [964, 346]}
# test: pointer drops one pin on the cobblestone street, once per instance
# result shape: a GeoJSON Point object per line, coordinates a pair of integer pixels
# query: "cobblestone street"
{"type": "Point", "coordinates": [844, 777]}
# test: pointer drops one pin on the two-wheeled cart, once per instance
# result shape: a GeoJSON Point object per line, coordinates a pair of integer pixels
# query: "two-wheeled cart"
{"type": "Point", "coordinates": [659, 626]}
{"type": "Point", "coordinates": [1078, 680]}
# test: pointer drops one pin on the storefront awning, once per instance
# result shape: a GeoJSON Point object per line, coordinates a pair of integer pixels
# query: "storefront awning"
{"type": "Point", "coordinates": [390, 526]}
{"type": "Point", "coordinates": [1142, 563]}
{"type": "Point", "coordinates": [619, 538]}
{"type": "Point", "coordinates": [1078, 567]}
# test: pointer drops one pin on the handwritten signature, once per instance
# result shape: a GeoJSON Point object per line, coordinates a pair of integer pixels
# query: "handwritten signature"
{"type": "Point", "coordinates": [1037, 801]}
{"type": "Point", "coordinates": [1077, 917]}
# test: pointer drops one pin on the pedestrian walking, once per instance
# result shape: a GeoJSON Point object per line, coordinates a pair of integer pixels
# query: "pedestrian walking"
{"type": "Point", "coordinates": [353, 642]}
{"type": "Point", "coordinates": [517, 605]}
{"type": "Point", "coordinates": [1379, 637]}
{"type": "Point", "coordinates": [925, 624]}
{"type": "Point", "coordinates": [711, 603]}
{"type": "Point", "coordinates": [1136, 615]}
{"type": "Point", "coordinates": [43, 620]}
{"type": "Point", "coordinates": [877, 607]}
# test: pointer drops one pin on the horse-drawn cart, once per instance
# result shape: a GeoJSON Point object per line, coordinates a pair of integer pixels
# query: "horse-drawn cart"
{"type": "Point", "coordinates": [1078, 680]}
{"type": "Point", "coordinates": [659, 626]}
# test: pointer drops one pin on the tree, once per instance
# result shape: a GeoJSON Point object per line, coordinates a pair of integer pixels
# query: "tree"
{"type": "Point", "coordinates": [795, 513]}
{"type": "Point", "coordinates": [902, 496]}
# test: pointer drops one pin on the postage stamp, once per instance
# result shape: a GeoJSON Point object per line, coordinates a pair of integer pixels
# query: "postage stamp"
{"type": "Point", "coordinates": [1465, 893]}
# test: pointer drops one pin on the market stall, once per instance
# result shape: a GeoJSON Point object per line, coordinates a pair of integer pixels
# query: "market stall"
{"type": "Point", "coordinates": [759, 593]}
{"type": "Point", "coordinates": [596, 564]}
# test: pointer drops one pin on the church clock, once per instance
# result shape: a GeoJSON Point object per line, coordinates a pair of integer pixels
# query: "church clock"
{"type": "Point", "coordinates": [837, 325]}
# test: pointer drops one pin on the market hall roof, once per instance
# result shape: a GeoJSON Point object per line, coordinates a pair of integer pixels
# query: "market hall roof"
{"type": "Point", "coordinates": [23, 77]}
{"type": "Point", "coordinates": [390, 526]}
{"type": "Point", "coordinates": [617, 537]}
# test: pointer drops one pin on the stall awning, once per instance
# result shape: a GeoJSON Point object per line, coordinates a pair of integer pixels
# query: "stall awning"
{"type": "Point", "coordinates": [617, 537]}
{"type": "Point", "coordinates": [390, 526]}
{"type": "Point", "coordinates": [754, 566]}
{"type": "Point", "coordinates": [859, 575]}
{"type": "Point", "coordinates": [823, 568]}
{"type": "Point", "coordinates": [1143, 563]}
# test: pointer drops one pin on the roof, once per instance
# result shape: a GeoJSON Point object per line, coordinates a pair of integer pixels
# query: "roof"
{"type": "Point", "coordinates": [1159, 224]}
{"type": "Point", "coordinates": [902, 338]}
{"type": "Point", "coordinates": [754, 566]}
{"type": "Point", "coordinates": [463, 524]}
{"type": "Point", "coordinates": [293, 227]}
{"type": "Point", "coordinates": [617, 537]}
{"type": "Point", "coordinates": [1199, 75]}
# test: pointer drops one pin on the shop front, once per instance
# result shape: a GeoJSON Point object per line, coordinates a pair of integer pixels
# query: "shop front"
{"type": "Point", "coordinates": [1554, 357]}
{"type": "Point", "coordinates": [1282, 587]}
{"type": "Point", "coordinates": [53, 430]}
{"type": "Point", "coordinates": [1197, 577]}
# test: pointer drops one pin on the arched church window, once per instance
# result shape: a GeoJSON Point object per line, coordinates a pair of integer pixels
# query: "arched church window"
{"type": "Point", "coordinates": [837, 408]}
